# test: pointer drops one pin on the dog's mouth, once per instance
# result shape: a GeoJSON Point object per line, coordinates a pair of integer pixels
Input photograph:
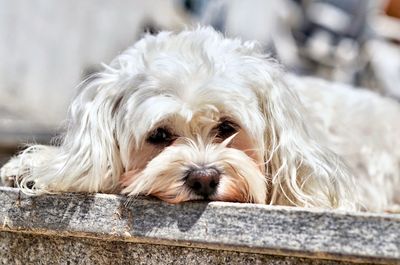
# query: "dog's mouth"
{"type": "Point", "coordinates": [224, 194]}
{"type": "Point", "coordinates": [202, 184]}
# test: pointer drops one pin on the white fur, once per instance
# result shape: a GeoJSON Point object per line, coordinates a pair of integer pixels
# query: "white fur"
{"type": "Point", "coordinates": [296, 136]}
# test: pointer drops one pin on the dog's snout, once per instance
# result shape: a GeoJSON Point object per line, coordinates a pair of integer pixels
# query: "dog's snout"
{"type": "Point", "coordinates": [203, 181]}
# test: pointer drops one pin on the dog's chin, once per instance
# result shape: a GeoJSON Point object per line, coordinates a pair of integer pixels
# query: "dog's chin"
{"type": "Point", "coordinates": [164, 176]}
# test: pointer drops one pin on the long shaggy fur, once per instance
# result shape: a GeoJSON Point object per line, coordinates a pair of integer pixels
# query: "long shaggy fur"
{"type": "Point", "coordinates": [300, 142]}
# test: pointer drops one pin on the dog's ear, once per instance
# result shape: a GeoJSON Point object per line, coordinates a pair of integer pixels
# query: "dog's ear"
{"type": "Point", "coordinates": [93, 153]}
{"type": "Point", "coordinates": [300, 170]}
{"type": "Point", "coordinates": [88, 157]}
{"type": "Point", "coordinates": [91, 144]}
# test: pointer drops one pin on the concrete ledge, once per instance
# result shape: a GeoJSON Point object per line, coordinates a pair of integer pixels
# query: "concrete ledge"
{"type": "Point", "coordinates": [147, 229]}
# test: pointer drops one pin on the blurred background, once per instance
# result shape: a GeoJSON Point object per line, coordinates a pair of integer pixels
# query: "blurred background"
{"type": "Point", "coordinates": [48, 47]}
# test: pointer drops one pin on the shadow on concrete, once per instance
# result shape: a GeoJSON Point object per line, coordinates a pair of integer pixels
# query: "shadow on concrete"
{"type": "Point", "coordinates": [148, 214]}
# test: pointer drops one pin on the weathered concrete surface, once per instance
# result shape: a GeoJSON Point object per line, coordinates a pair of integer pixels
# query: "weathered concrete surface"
{"type": "Point", "coordinates": [216, 230]}
{"type": "Point", "coordinates": [37, 249]}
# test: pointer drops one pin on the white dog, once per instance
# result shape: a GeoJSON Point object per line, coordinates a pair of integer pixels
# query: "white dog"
{"type": "Point", "coordinates": [194, 116]}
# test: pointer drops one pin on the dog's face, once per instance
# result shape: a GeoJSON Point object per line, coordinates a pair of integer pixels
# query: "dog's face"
{"type": "Point", "coordinates": [198, 133]}
{"type": "Point", "coordinates": [193, 116]}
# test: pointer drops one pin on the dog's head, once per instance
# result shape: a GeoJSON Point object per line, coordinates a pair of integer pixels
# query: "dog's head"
{"type": "Point", "coordinates": [193, 116]}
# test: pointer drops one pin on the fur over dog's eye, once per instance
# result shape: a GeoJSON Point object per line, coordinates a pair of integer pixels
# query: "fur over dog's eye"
{"type": "Point", "coordinates": [161, 136]}
{"type": "Point", "coordinates": [226, 129]}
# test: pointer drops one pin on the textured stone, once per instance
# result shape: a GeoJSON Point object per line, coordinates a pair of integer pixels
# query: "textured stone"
{"type": "Point", "coordinates": [216, 227]}
{"type": "Point", "coordinates": [37, 249]}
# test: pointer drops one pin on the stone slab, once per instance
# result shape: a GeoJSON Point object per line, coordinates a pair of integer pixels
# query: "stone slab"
{"type": "Point", "coordinates": [209, 226]}
{"type": "Point", "coordinates": [20, 249]}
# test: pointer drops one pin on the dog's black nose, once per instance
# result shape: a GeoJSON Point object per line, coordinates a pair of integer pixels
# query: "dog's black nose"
{"type": "Point", "coordinates": [203, 181]}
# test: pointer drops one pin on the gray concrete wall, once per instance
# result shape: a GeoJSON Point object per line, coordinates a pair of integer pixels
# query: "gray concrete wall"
{"type": "Point", "coordinates": [21, 249]}
{"type": "Point", "coordinates": [99, 228]}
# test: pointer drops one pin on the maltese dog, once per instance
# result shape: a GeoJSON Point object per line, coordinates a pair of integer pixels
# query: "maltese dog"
{"type": "Point", "coordinates": [196, 116]}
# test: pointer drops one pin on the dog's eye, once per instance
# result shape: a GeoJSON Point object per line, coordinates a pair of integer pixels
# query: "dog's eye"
{"type": "Point", "coordinates": [226, 129]}
{"type": "Point", "coordinates": [161, 136]}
